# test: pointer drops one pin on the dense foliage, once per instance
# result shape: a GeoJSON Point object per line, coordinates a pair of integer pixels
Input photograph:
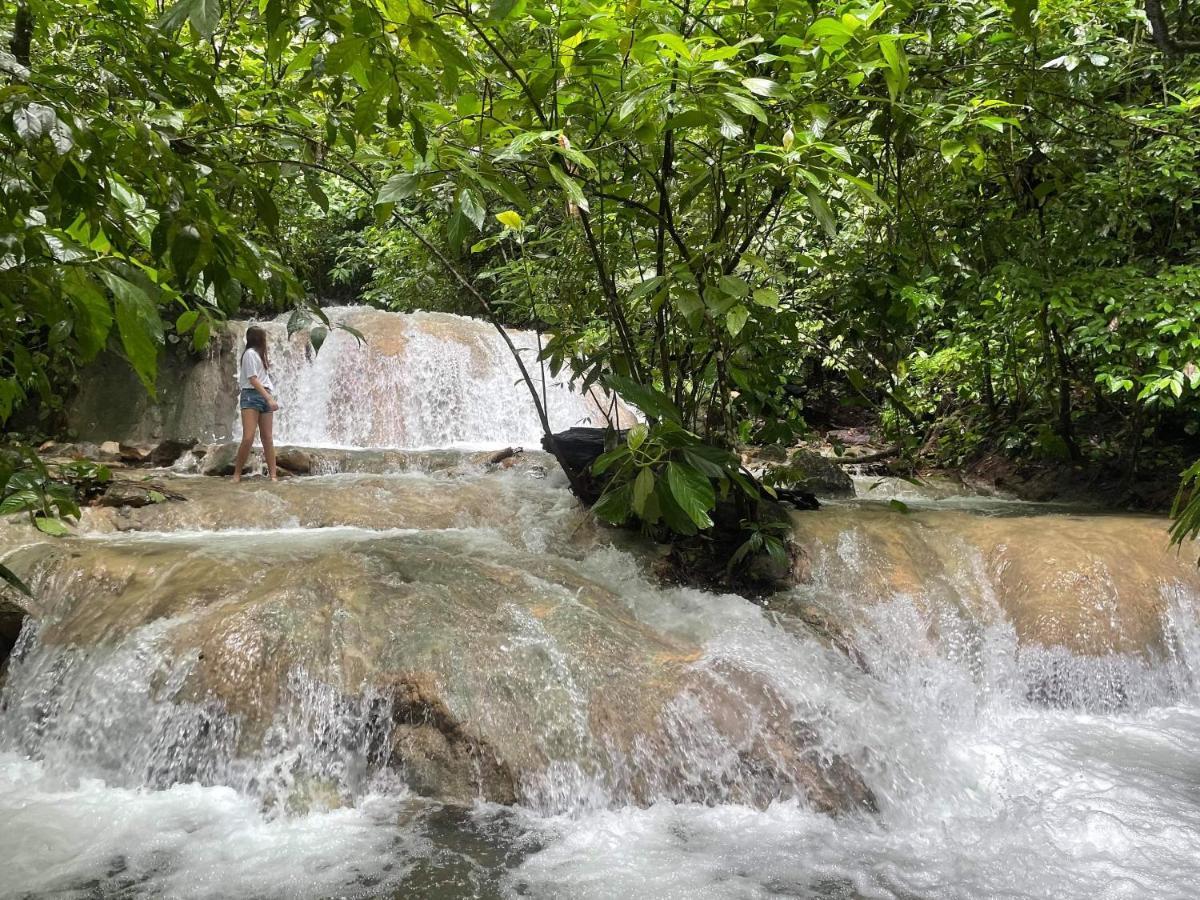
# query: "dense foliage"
{"type": "Point", "coordinates": [975, 220]}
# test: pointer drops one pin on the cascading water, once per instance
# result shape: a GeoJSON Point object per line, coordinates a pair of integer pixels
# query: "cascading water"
{"type": "Point", "coordinates": [444, 681]}
{"type": "Point", "coordinates": [416, 381]}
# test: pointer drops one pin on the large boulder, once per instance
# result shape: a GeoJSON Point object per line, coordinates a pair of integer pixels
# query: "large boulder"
{"type": "Point", "coordinates": [472, 670]}
{"type": "Point", "coordinates": [194, 396]}
{"type": "Point", "coordinates": [819, 474]}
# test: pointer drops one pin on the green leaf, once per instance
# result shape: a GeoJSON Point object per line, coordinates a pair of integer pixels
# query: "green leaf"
{"type": "Point", "coordinates": [20, 501]}
{"type": "Point", "coordinates": [303, 59]}
{"type": "Point", "coordinates": [672, 513]}
{"type": "Point", "coordinates": [734, 286]}
{"type": "Point", "coordinates": [570, 187]}
{"type": "Point", "coordinates": [712, 461]}
{"type": "Point", "coordinates": [605, 460]}
{"type": "Point", "coordinates": [397, 188]}
{"type": "Point", "coordinates": [614, 507]}
{"type": "Point", "coordinates": [651, 401]}
{"type": "Point", "coordinates": [185, 322]}
{"type": "Point", "coordinates": [501, 10]}
{"type": "Point", "coordinates": [204, 16]}
{"type": "Point", "coordinates": [897, 62]}
{"type": "Point", "coordinates": [776, 551]}
{"type": "Point", "coordinates": [748, 106]}
{"type": "Point", "coordinates": [898, 505]}
{"type": "Point", "coordinates": [472, 206]}
{"type": "Point", "coordinates": [201, 335]}
{"type": "Point", "coordinates": [951, 149]}
{"type": "Point", "coordinates": [766, 296]}
{"type": "Point", "coordinates": [736, 318]}
{"type": "Point", "coordinates": [93, 314]}
{"type": "Point", "coordinates": [637, 435]}
{"type": "Point", "coordinates": [764, 87]}
{"type": "Point", "coordinates": [8, 576]}
{"type": "Point", "coordinates": [821, 210]}
{"type": "Point", "coordinates": [643, 488]}
{"type": "Point", "coordinates": [185, 248]}
{"type": "Point", "coordinates": [51, 526]}
{"type": "Point", "coordinates": [139, 326]}
{"type": "Point", "coordinates": [420, 140]}
{"type": "Point", "coordinates": [675, 43]}
{"type": "Point", "coordinates": [576, 156]}
{"type": "Point", "coordinates": [692, 491]}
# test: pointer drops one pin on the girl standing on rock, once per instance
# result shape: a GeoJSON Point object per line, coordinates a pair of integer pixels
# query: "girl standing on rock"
{"type": "Point", "coordinates": [257, 401]}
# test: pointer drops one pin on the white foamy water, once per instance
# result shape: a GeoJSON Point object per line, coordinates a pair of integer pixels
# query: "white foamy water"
{"type": "Point", "coordinates": [982, 794]}
{"type": "Point", "coordinates": [78, 837]}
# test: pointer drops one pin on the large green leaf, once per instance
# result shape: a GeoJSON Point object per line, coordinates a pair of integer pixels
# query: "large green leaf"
{"type": "Point", "coordinates": [672, 513]}
{"type": "Point", "coordinates": [692, 491]}
{"type": "Point", "coordinates": [93, 314]}
{"type": "Point", "coordinates": [651, 401]}
{"type": "Point", "coordinates": [570, 187]}
{"type": "Point", "coordinates": [204, 16]}
{"type": "Point", "coordinates": [643, 487]}
{"type": "Point", "coordinates": [615, 506]}
{"type": "Point", "coordinates": [139, 325]}
{"type": "Point", "coordinates": [821, 210]}
{"type": "Point", "coordinates": [398, 187]}
{"type": "Point", "coordinates": [51, 526]}
{"type": "Point", "coordinates": [20, 501]}
{"type": "Point", "coordinates": [736, 318]}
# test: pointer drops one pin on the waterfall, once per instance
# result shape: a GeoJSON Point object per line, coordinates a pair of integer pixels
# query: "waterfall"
{"type": "Point", "coordinates": [424, 676]}
{"type": "Point", "coordinates": [416, 381]}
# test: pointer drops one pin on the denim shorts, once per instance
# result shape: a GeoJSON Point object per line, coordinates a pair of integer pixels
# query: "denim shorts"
{"type": "Point", "coordinates": [252, 399]}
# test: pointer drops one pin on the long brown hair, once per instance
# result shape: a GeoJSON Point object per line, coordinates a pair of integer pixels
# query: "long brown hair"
{"type": "Point", "coordinates": [256, 340]}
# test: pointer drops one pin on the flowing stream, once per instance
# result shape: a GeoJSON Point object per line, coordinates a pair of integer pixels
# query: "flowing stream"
{"type": "Point", "coordinates": [438, 678]}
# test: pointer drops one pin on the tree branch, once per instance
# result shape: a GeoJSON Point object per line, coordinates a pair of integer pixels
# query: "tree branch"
{"type": "Point", "coordinates": [1161, 32]}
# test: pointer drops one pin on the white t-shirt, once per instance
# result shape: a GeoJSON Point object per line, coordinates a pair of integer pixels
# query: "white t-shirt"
{"type": "Point", "coordinates": [252, 366]}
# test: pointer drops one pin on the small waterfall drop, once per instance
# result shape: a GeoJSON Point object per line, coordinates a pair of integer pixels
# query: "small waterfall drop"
{"type": "Point", "coordinates": [416, 381]}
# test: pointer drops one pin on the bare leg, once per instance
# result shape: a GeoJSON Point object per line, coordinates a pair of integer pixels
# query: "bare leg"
{"type": "Point", "coordinates": [249, 426]}
{"type": "Point", "coordinates": [266, 433]}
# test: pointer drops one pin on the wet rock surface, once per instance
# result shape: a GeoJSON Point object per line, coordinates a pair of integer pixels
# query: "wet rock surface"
{"type": "Point", "coordinates": [472, 668]}
{"type": "Point", "coordinates": [429, 622]}
{"type": "Point", "coordinates": [495, 670]}
{"type": "Point", "coordinates": [800, 471]}
{"type": "Point", "coordinates": [1094, 585]}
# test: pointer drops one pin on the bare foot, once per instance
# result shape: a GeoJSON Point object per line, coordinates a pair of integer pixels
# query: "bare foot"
{"type": "Point", "coordinates": [237, 478]}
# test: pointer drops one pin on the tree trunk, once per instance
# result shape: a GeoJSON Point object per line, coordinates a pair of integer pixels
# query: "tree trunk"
{"type": "Point", "coordinates": [1161, 31]}
{"type": "Point", "coordinates": [1066, 428]}
{"type": "Point", "coordinates": [22, 36]}
{"type": "Point", "coordinates": [989, 391]}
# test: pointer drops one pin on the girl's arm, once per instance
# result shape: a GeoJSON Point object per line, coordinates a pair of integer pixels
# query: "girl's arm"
{"type": "Point", "coordinates": [258, 386]}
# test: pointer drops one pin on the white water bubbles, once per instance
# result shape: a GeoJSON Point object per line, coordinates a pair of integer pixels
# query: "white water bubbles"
{"type": "Point", "coordinates": [120, 714]}
{"type": "Point", "coordinates": [108, 711]}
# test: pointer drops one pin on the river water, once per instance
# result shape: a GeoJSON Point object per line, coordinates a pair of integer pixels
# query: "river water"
{"type": "Point", "coordinates": [197, 713]}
